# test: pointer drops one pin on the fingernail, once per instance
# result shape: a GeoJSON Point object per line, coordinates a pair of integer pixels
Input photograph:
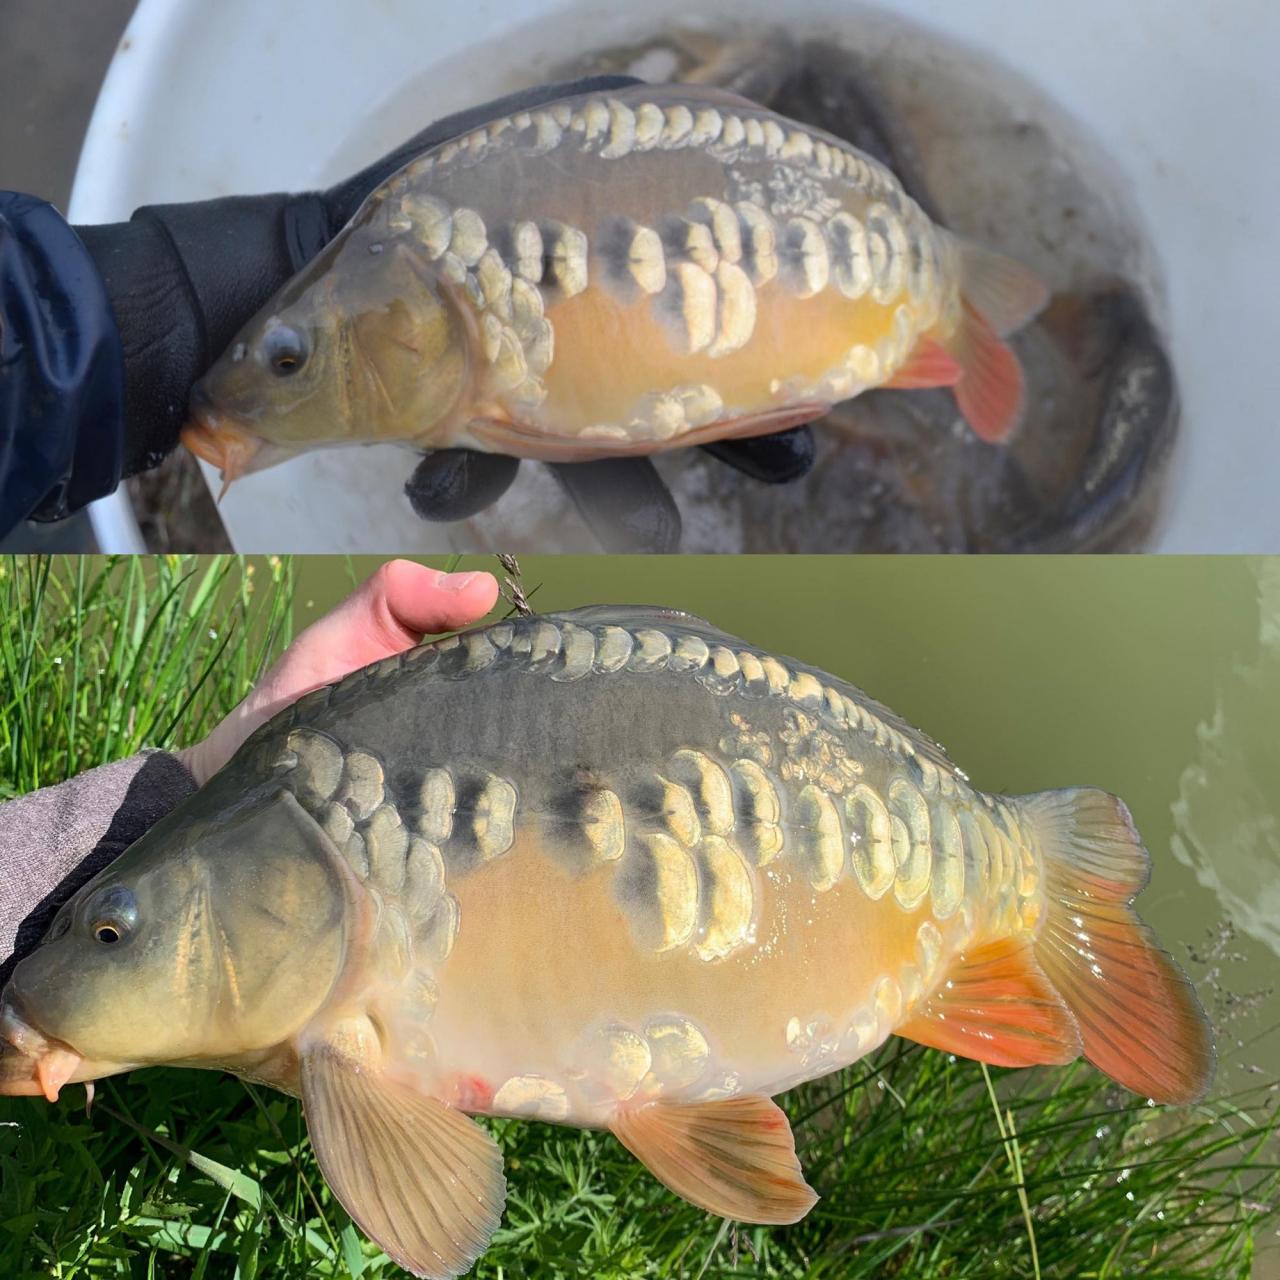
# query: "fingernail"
{"type": "Point", "coordinates": [456, 581]}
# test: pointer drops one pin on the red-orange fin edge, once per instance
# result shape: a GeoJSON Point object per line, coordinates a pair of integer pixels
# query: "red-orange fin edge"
{"type": "Point", "coordinates": [929, 365]}
{"type": "Point", "coordinates": [998, 1007]}
{"type": "Point", "coordinates": [1139, 1016]}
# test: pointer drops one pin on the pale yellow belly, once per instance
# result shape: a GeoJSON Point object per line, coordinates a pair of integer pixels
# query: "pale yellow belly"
{"type": "Point", "coordinates": [611, 354]}
{"type": "Point", "coordinates": [548, 1003]}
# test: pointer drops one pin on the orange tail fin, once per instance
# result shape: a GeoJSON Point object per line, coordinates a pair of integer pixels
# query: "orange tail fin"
{"type": "Point", "coordinates": [1139, 1018]}
{"type": "Point", "coordinates": [1000, 296]}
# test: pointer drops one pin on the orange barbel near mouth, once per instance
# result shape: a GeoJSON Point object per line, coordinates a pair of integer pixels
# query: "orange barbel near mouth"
{"type": "Point", "coordinates": [30, 1064]}
{"type": "Point", "coordinates": [225, 445]}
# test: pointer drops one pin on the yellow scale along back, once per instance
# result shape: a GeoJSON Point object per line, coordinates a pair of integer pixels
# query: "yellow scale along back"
{"type": "Point", "coordinates": [613, 869]}
{"type": "Point", "coordinates": [620, 273]}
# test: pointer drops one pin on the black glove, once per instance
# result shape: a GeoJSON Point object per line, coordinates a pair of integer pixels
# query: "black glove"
{"type": "Point", "coordinates": [182, 279]}
{"type": "Point", "coordinates": [623, 500]}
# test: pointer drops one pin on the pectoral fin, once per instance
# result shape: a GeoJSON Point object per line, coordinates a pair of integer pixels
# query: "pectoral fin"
{"type": "Point", "coordinates": [735, 1157]}
{"type": "Point", "coordinates": [929, 365]}
{"type": "Point", "coordinates": [421, 1179]}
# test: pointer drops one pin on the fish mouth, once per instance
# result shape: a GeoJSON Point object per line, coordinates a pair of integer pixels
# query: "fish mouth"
{"type": "Point", "coordinates": [31, 1064]}
{"type": "Point", "coordinates": [223, 443]}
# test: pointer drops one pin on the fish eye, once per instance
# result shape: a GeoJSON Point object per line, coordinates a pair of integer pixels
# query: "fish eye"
{"type": "Point", "coordinates": [113, 915]}
{"type": "Point", "coordinates": [285, 349]}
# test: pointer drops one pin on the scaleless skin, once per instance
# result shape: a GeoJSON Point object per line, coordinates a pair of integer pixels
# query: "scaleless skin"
{"type": "Point", "coordinates": [613, 275]}
{"type": "Point", "coordinates": [614, 869]}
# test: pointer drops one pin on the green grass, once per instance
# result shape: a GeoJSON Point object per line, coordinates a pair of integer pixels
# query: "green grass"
{"type": "Point", "coordinates": [928, 1167]}
{"type": "Point", "coordinates": [102, 656]}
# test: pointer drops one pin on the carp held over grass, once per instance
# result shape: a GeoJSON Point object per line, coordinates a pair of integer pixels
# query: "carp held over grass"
{"type": "Point", "coordinates": [612, 868]}
{"type": "Point", "coordinates": [618, 274]}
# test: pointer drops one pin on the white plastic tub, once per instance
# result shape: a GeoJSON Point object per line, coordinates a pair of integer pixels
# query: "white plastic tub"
{"type": "Point", "coordinates": [206, 100]}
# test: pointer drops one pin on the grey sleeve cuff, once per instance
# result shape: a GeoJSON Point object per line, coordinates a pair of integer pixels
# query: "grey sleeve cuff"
{"type": "Point", "coordinates": [54, 840]}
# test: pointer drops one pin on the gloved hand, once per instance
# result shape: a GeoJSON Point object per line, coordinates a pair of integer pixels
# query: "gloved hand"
{"type": "Point", "coordinates": [623, 500]}
{"type": "Point", "coordinates": [183, 278]}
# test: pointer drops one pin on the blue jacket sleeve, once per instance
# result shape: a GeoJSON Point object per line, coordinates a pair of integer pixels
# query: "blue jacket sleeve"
{"type": "Point", "coordinates": [61, 369]}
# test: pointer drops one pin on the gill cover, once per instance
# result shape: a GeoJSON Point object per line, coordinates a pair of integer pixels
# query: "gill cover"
{"type": "Point", "coordinates": [358, 348]}
{"type": "Point", "coordinates": [215, 936]}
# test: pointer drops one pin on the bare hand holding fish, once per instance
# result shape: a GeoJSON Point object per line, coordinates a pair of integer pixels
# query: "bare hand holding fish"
{"type": "Point", "coordinates": [771, 873]}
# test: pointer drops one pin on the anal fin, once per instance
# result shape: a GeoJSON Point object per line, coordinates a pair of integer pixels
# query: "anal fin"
{"type": "Point", "coordinates": [930, 364]}
{"type": "Point", "coordinates": [735, 1157]}
{"type": "Point", "coordinates": [420, 1178]}
{"type": "Point", "coordinates": [998, 1007]}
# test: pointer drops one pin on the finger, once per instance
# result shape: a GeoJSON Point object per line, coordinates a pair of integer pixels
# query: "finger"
{"type": "Point", "coordinates": [388, 613]}
{"type": "Point", "coordinates": [624, 502]}
{"type": "Point", "coordinates": [454, 484]}
{"type": "Point", "coordinates": [423, 601]}
{"type": "Point", "coordinates": [776, 459]}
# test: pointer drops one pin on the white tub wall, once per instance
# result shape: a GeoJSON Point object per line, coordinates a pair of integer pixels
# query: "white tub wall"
{"type": "Point", "coordinates": [208, 100]}
{"type": "Point", "coordinates": [114, 527]}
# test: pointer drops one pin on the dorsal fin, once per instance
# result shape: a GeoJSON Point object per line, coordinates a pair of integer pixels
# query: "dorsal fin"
{"type": "Point", "coordinates": [632, 616]}
{"type": "Point", "coordinates": [702, 94]}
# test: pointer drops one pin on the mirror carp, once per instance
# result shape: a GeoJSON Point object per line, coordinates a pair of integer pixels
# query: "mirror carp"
{"type": "Point", "coordinates": [618, 274]}
{"type": "Point", "coordinates": [614, 869]}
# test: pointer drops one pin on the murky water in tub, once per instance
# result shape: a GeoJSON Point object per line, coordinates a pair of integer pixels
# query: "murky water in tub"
{"type": "Point", "coordinates": [987, 155]}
